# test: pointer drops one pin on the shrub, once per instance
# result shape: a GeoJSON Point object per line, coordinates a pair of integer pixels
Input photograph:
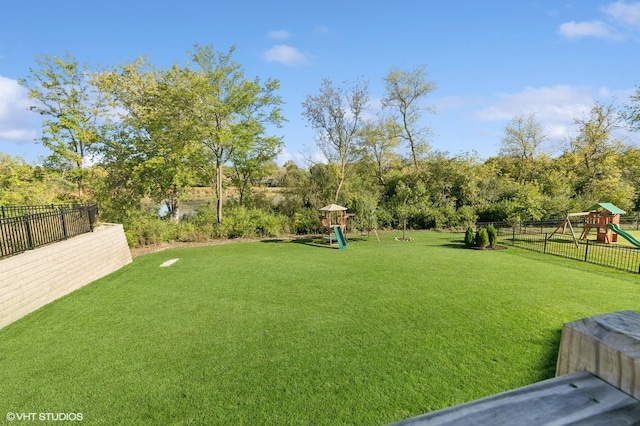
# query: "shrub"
{"type": "Point", "coordinates": [492, 233]}
{"type": "Point", "coordinates": [469, 237]}
{"type": "Point", "coordinates": [243, 222]}
{"type": "Point", "coordinates": [482, 238]}
{"type": "Point", "coordinates": [305, 222]}
{"type": "Point", "coordinates": [267, 223]}
{"type": "Point", "coordinates": [145, 229]}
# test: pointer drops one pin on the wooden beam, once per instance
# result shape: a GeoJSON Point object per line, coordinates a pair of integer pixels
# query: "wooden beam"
{"type": "Point", "coordinates": [607, 346]}
{"type": "Point", "coordinates": [578, 398]}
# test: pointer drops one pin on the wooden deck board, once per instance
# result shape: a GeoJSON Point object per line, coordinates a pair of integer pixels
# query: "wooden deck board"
{"type": "Point", "coordinates": [607, 346]}
{"type": "Point", "coordinates": [578, 398]}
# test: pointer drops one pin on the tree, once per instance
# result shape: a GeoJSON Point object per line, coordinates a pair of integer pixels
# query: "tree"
{"type": "Point", "coordinates": [593, 144]}
{"type": "Point", "coordinates": [405, 94]}
{"type": "Point", "coordinates": [227, 113]}
{"type": "Point", "coordinates": [522, 139]}
{"type": "Point", "coordinates": [337, 114]}
{"type": "Point", "coordinates": [119, 190]}
{"type": "Point", "coordinates": [22, 183]}
{"type": "Point", "coordinates": [629, 165]}
{"type": "Point", "coordinates": [294, 180]}
{"type": "Point", "coordinates": [254, 163]}
{"type": "Point", "coordinates": [154, 123]}
{"type": "Point", "coordinates": [379, 141]}
{"type": "Point", "coordinates": [632, 111]}
{"type": "Point", "coordinates": [73, 108]}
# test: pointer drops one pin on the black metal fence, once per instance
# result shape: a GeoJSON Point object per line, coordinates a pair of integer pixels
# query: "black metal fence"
{"type": "Point", "coordinates": [24, 228]}
{"type": "Point", "coordinates": [564, 245]}
{"type": "Point", "coordinates": [628, 222]}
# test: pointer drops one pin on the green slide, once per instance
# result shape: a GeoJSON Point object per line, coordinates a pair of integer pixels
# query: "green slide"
{"type": "Point", "coordinates": [615, 228]}
{"type": "Point", "coordinates": [342, 241]}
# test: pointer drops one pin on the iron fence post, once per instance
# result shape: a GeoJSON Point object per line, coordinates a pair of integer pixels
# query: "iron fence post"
{"type": "Point", "coordinates": [64, 223]}
{"type": "Point", "coordinates": [93, 212]}
{"type": "Point", "coordinates": [586, 251]}
{"type": "Point", "coordinates": [27, 227]}
{"type": "Point", "coordinates": [544, 250]}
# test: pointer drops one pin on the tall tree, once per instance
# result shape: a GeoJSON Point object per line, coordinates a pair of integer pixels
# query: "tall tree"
{"type": "Point", "coordinates": [522, 140]}
{"type": "Point", "coordinates": [631, 112]}
{"type": "Point", "coordinates": [337, 116]}
{"type": "Point", "coordinates": [406, 91]}
{"type": "Point", "coordinates": [73, 108]}
{"type": "Point", "coordinates": [252, 164]}
{"type": "Point", "coordinates": [22, 183]}
{"type": "Point", "coordinates": [379, 141]}
{"type": "Point", "coordinates": [593, 143]}
{"type": "Point", "coordinates": [228, 112]}
{"type": "Point", "coordinates": [153, 120]}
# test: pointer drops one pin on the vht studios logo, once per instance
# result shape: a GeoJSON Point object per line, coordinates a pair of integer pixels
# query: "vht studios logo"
{"type": "Point", "coordinates": [51, 417]}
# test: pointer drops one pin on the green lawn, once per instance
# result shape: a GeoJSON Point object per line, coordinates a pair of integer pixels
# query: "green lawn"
{"type": "Point", "coordinates": [296, 333]}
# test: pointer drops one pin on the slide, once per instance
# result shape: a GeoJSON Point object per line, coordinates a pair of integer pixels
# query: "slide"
{"type": "Point", "coordinates": [615, 228]}
{"type": "Point", "coordinates": [342, 242]}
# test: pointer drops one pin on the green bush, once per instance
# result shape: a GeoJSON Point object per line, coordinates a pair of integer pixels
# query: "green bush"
{"type": "Point", "coordinates": [305, 222]}
{"type": "Point", "coordinates": [268, 224]}
{"type": "Point", "coordinates": [492, 234]}
{"type": "Point", "coordinates": [482, 238]}
{"type": "Point", "coordinates": [243, 222]}
{"type": "Point", "coordinates": [144, 229]}
{"type": "Point", "coordinates": [469, 237]}
{"type": "Point", "coordinates": [238, 222]}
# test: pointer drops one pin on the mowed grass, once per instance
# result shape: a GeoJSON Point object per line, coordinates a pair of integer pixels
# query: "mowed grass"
{"type": "Point", "coordinates": [297, 333]}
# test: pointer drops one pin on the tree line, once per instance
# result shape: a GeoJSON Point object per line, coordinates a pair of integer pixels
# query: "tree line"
{"type": "Point", "coordinates": [133, 132]}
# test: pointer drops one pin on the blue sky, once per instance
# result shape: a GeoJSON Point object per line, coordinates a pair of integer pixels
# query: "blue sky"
{"type": "Point", "coordinates": [490, 60]}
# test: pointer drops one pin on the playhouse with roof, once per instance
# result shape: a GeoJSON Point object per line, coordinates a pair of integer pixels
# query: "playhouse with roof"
{"type": "Point", "coordinates": [599, 217]}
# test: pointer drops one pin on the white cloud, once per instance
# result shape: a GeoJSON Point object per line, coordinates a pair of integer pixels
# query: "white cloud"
{"type": "Point", "coordinates": [586, 29]}
{"type": "Point", "coordinates": [16, 122]}
{"type": "Point", "coordinates": [286, 55]}
{"type": "Point", "coordinates": [624, 13]}
{"type": "Point", "coordinates": [279, 34]}
{"type": "Point", "coordinates": [555, 107]}
{"type": "Point", "coordinates": [286, 155]}
{"type": "Point", "coordinates": [624, 22]}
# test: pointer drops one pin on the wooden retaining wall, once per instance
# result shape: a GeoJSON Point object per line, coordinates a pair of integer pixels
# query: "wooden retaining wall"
{"type": "Point", "coordinates": [597, 382]}
{"type": "Point", "coordinates": [608, 346]}
{"type": "Point", "coordinates": [35, 278]}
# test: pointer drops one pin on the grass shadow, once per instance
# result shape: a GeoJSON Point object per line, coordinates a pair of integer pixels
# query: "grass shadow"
{"type": "Point", "coordinates": [547, 364]}
{"type": "Point", "coordinates": [314, 242]}
{"type": "Point", "coordinates": [455, 244]}
{"type": "Point", "coordinates": [317, 241]}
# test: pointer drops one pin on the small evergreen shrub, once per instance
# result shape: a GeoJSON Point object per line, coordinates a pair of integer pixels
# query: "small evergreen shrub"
{"type": "Point", "coordinates": [469, 237]}
{"type": "Point", "coordinates": [482, 238]}
{"type": "Point", "coordinates": [492, 233]}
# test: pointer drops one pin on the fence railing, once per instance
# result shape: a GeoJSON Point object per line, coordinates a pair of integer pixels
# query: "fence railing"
{"type": "Point", "coordinates": [615, 256]}
{"type": "Point", "coordinates": [629, 222]}
{"type": "Point", "coordinates": [24, 228]}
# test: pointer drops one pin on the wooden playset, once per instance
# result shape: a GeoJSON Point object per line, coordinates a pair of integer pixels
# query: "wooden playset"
{"type": "Point", "coordinates": [597, 217]}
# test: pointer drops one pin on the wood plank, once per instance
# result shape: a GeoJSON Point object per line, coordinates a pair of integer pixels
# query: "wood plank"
{"type": "Point", "coordinates": [607, 346]}
{"type": "Point", "coordinates": [578, 398]}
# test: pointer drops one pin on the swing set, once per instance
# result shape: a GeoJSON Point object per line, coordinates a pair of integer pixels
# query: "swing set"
{"type": "Point", "coordinates": [598, 217]}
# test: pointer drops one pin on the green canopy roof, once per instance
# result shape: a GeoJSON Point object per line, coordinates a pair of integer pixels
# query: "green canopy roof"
{"type": "Point", "coordinates": [607, 206]}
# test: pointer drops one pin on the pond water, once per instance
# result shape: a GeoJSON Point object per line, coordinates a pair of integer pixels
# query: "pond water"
{"type": "Point", "coordinates": [187, 208]}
